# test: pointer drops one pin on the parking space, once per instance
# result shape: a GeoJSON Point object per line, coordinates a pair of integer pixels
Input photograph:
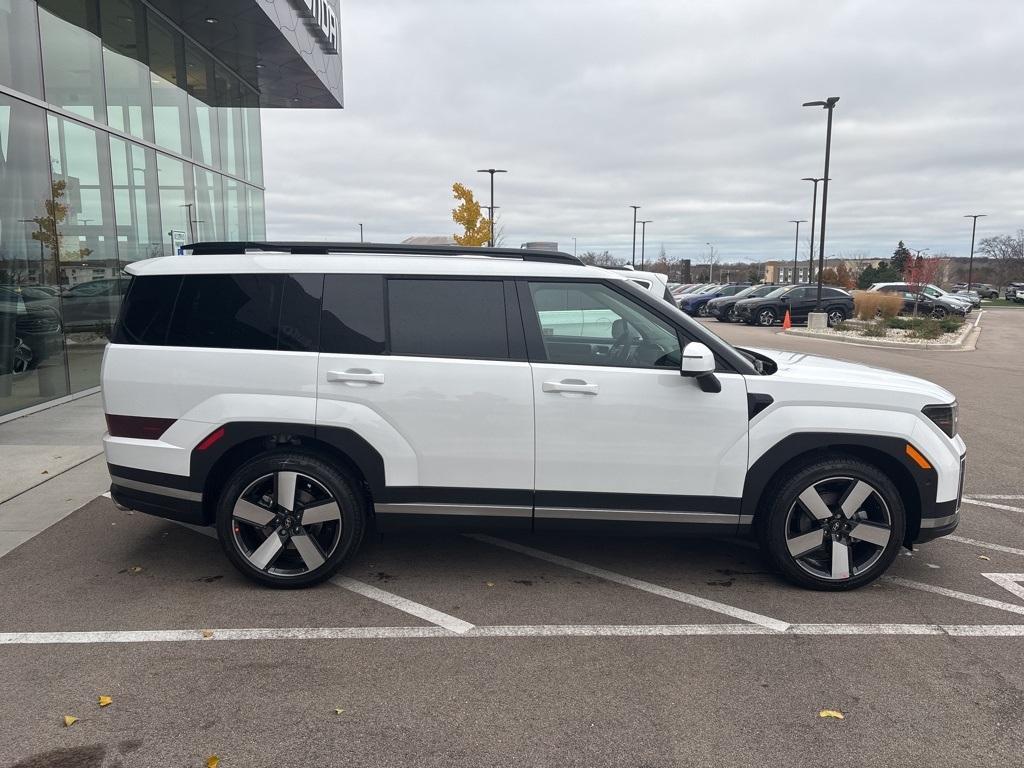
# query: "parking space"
{"type": "Point", "coordinates": [581, 650]}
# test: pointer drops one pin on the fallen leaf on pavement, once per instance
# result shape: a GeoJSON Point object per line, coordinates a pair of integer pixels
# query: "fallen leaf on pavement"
{"type": "Point", "coordinates": [69, 720]}
{"type": "Point", "coordinates": [489, 583]}
{"type": "Point", "coordinates": [338, 711]}
{"type": "Point", "coordinates": [135, 568]}
{"type": "Point", "coordinates": [207, 633]}
{"type": "Point", "coordinates": [105, 701]}
{"type": "Point", "coordinates": [212, 761]}
{"type": "Point", "coordinates": [984, 557]}
{"type": "Point", "coordinates": [832, 713]}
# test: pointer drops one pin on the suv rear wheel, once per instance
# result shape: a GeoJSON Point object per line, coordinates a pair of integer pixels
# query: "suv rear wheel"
{"type": "Point", "coordinates": [289, 519]}
{"type": "Point", "coordinates": [766, 317]}
{"type": "Point", "coordinates": [939, 312]}
{"type": "Point", "coordinates": [835, 524]}
{"type": "Point", "coordinates": [836, 315]}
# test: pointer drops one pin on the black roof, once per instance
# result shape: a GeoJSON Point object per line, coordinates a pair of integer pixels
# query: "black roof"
{"type": "Point", "coordinates": [402, 249]}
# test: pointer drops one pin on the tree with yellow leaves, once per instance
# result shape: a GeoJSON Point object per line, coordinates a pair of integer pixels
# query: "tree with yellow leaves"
{"type": "Point", "coordinates": [469, 214]}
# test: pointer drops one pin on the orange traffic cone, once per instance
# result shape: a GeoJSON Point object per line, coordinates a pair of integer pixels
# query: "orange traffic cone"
{"type": "Point", "coordinates": [787, 322]}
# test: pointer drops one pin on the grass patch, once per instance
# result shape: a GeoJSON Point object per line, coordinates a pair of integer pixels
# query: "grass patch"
{"type": "Point", "coordinates": [995, 303]}
{"type": "Point", "coordinates": [842, 326]}
{"type": "Point", "coordinates": [902, 323]}
{"type": "Point", "coordinates": [951, 323]}
{"type": "Point", "coordinates": [927, 328]}
{"type": "Point", "coordinates": [874, 330]}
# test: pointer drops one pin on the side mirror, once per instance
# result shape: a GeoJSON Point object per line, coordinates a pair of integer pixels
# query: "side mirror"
{"type": "Point", "coordinates": [699, 363]}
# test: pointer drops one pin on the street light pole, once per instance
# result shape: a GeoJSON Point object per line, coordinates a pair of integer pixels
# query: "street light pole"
{"type": "Point", "coordinates": [796, 245]}
{"type": "Point", "coordinates": [491, 171]}
{"type": "Point", "coordinates": [360, 232]}
{"type": "Point", "coordinates": [643, 238]}
{"type": "Point", "coordinates": [634, 207]}
{"type": "Point", "coordinates": [814, 211]}
{"type": "Point", "coordinates": [828, 105]}
{"type": "Point", "coordinates": [711, 263]}
{"type": "Point", "coordinates": [970, 263]}
{"type": "Point", "coordinates": [574, 245]}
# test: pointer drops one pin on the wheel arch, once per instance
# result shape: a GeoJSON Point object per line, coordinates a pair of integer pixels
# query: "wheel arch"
{"type": "Point", "coordinates": [244, 440]}
{"type": "Point", "coordinates": [915, 485]}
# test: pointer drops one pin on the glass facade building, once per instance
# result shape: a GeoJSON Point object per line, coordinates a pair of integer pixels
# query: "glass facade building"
{"type": "Point", "coordinates": [128, 128]}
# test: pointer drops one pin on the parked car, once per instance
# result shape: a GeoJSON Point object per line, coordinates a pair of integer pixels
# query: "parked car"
{"type": "Point", "coordinates": [1014, 292]}
{"type": "Point", "coordinates": [93, 305]}
{"type": "Point", "coordinates": [654, 283]}
{"type": "Point", "coordinates": [972, 296]}
{"type": "Point", "coordinates": [34, 314]}
{"type": "Point", "coordinates": [344, 384]}
{"type": "Point", "coordinates": [985, 290]}
{"type": "Point", "coordinates": [800, 300]}
{"type": "Point", "coordinates": [936, 306]}
{"type": "Point", "coordinates": [722, 307]}
{"type": "Point", "coordinates": [697, 304]}
{"type": "Point", "coordinates": [930, 290]}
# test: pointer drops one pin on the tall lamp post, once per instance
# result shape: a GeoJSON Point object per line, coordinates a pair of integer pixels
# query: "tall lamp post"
{"type": "Point", "coordinates": [491, 171]}
{"type": "Point", "coordinates": [970, 263]}
{"type": "Point", "coordinates": [360, 232]}
{"type": "Point", "coordinates": [796, 245]}
{"type": "Point", "coordinates": [711, 263]}
{"type": "Point", "coordinates": [814, 211]}
{"type": "Point", "coordinates": [635, 208]}
{"type": "Point", "coordinates": [828, 104]}
{"type": "Point", "coordinates": [643, 238]}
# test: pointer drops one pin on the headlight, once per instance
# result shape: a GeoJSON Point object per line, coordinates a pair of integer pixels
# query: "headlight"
{"type": "Point", "coordinates": [946, 417]}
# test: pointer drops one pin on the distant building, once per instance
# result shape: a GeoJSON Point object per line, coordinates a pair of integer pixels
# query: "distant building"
{"type": "Point", "coordinates": [782, 271]}
{"type": "Point", "coordinates": [430, 240]}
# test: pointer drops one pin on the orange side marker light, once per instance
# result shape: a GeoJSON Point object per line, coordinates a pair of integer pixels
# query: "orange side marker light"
{"type": "Point", "coordinates": [917, 458]}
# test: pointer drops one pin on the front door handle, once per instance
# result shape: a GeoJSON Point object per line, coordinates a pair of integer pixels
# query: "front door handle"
{"type": "Point", "coordinates": [578, 386]}
{"type": "Point", "coordinates": [356, 376]}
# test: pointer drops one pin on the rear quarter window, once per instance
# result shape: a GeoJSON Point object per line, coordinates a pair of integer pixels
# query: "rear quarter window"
{"type": "Point", "coordinates": [146, 312]}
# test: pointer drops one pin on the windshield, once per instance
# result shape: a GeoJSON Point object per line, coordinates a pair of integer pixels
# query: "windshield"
{"type": "Point", "coordinates": [777, 292]}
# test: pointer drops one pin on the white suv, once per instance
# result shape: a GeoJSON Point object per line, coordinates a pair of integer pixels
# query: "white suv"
{"type": "Point", "coordinates": [291, 396]}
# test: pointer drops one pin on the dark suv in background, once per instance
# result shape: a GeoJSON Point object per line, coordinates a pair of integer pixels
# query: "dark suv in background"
{"type": "Point", "coordinates": [697, 304]}
{"type": "Point", "coordinates": [800, 300]}
{"type": "Point", "coordinates": [722, 307]}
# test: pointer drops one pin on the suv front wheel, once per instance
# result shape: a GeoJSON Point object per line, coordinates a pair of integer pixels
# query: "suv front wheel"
{"type": "Point", "coordinates": [836, 524]}
{"type": "Point", "coordinates": [766, 317]}
{"type": "Point", "coordinates": [289, 519]}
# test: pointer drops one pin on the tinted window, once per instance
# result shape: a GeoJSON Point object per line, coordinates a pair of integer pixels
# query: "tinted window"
{"type": "Point", "coordinates": [227, 311]}
{"type": "Point", "coordinates": [353, 316]}
{"type": "Point", "coordinates": [833, 292]}
{"type": "Point", "coordinates": [447, 318]}
{"type": "Point", "coordinates": [590, 324]}
{"type": "Point", "coordinates": [146, 314]}
{"type": "Point", "coordinates": [299, 330]}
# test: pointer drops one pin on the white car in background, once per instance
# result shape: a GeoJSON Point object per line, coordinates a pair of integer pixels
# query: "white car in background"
{"type": "Point", "coordinates": [654, 283]}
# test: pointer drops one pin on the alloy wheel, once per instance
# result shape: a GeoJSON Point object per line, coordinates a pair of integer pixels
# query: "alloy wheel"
{"type": "Point", "coordinates": [838, 528]}
{"type": "Point", "coordinates": [286, 523]}
{"type": "Point", "coordinates": [702, 310]}
{"type": "Point", "coordinates": [939, 312]}
{"type": "Point", "coordinates": [766, 317]}
{"type": "Point", "coordinates": [835, 317]}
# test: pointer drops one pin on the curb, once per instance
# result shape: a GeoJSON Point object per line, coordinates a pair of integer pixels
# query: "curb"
{"type": "Point", "coordinates": [967, 343]}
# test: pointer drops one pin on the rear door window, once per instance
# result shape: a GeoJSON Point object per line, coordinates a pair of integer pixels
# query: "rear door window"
{"type": "Point", "coordinates": [353, 315]}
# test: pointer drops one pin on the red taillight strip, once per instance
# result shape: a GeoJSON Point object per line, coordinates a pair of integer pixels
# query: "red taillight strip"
{"type": "Point", "coordinates": [210, 439]}
{"type": "Point", "coordinates": [142, 427]}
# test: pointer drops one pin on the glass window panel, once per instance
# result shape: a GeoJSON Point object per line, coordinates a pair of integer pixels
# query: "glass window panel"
{"type": "Point", "coordinates": [20, 67]}
{"type": "Point", "coordinates": [209, 222]}
{"type": "Point", "coordinates": [253, 140]}
{"type": "Point", "coordinates": [447, 318]}
{"type": "Point", "coordinates": [72, 67]}
{"type": "Point", "coordinates": [230, 119]}
{"type": "Point", "coordinates": [32, 362]}
{"type": "Point", "coordinates": [89, 275]}
{"type": "Point", "coordinates": [257, 218]}
{"type": "Point", "coordinates": [129, 99]}
{"type": "Point", "coordinates": [353, 315]}
{"type": "Point", "coordinates": [234, 210]}
{"type": "Point", "coordinates": [202, 115]}
{"type": "Point", "coordinates": [136, 201]}
{"type": "Point", "coordinates": [227, 311]}
{"type": "Point", "coordinates": [167, 80]}
{"type": "Point", "coordinates": [147, 310]}
{"type": "Point", "coordinates": [81, 13]}
{"type": "Point", "coordinates": [177, 202]}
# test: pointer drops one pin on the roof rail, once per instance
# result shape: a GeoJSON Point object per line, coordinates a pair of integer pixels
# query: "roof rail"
{"type": "Point", "coordinates": [395, 249]}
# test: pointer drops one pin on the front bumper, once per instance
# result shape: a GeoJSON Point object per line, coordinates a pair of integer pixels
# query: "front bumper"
{"type": "Point", "coordinates": [942, 518]}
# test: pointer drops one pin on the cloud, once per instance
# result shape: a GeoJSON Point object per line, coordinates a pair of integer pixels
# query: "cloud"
{"type": "Point", "coordinates": [691, 110]}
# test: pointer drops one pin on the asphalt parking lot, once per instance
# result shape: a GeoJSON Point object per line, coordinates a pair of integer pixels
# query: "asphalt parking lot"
{"type": "Point", "coordinates": [447, 649]}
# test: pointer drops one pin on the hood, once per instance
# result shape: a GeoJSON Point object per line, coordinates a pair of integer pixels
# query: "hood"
{"type": "Point", "coordinates": [828, 373]}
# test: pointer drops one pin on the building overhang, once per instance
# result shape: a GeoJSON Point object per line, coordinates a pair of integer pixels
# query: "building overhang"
{"type": "Point", "coordinates": [288, 50]}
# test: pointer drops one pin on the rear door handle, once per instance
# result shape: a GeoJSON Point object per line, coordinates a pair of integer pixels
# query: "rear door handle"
{"type": "Point", "coordinates": [570, 385]}
{"type": "Point", "coordinates": [356, 375]}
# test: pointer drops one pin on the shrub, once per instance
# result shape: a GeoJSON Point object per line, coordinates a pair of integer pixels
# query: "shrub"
{"type": "Point", "coordinates": [927, 328]}
{"type": "Point", "coordinates": [842, 326]}
{"type": "Point", "coordinates": [951, 323]}
{"type": "Point", "coordinates": [876, 330]}
{"type": "Point", "coordinates": [867, 305]}
{"type": "Point", "coordinates": [903, 323]}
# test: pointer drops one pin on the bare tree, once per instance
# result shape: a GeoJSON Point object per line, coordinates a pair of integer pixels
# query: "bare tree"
{"type": "Point", "coordinates": [601, 259]}
{"type": "Point", "coordinates": [1007, 253]}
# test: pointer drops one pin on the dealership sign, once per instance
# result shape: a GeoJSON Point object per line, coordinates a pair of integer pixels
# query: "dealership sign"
{"type": "Point", "coordinates": [323, 19]}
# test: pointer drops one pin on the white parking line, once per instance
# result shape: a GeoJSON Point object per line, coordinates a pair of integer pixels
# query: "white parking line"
{"type": "Point", "coordinates": [418, 610]}
{"type": "Point", "coordinates": [646, 586]}
{"type": "Point", "coordinates": [542, 630]}
{"type": "Point", "coordinates": [968, 598]}
{"type": "Point", "coordinates": [992, 504]}
{"type": "Point", "coordinates": [1008, 497]}
{"type": "Point", "coordinates": [985, 544]}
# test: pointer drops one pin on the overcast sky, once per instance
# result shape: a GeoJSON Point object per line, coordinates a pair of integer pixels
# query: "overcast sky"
{"type": "Point", "coordinates": [688, 108]}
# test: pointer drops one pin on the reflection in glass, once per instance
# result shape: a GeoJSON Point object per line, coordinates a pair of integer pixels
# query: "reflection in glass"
{"type": "Point", "coordinates": [253, 140]}
{"type": "Point", "coordinates": [234, 210]}
{"type": "Point", "coordinates": [19, 50]}
{"type": "Point", "coordinates": [257, 219]}
{"type": "Point", "coordinates": [72, 67]}
{"type": "Point", "coordinates": [167, 79]}
{"type": "Point", "coordinates": [136, 201]}
{"type": "Point", "coordinates": [209, 222]}
{"type": "Point", "coordinates": [31, 345]}
{"type": "Point", "coordinates": [202, 117]}
{"type": "Point", "coordinates": [176, 203]}
{"type": "Point", "coordinates": [231, 122]}
{"type": "Point", "coordinates": [129, 100]}
{"type": "Point", "coordinates": [83, 246]}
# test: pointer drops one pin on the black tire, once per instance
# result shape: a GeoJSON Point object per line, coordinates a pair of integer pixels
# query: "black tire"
{"type": "Point", "coordinates": [787, 525]}
{"type": "Point", "coordinates": [836, 315]}
{"type": "Point", "coordinates": [702, 310]}
{"type": "Point", "coordinates": [766, 317]}
{"type": "Point", "coordinates": [939, 312]}
{"type": "Point", "coordinates": [317, 485]}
